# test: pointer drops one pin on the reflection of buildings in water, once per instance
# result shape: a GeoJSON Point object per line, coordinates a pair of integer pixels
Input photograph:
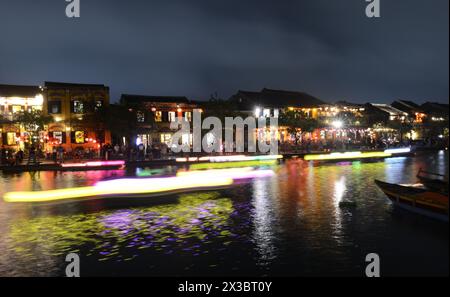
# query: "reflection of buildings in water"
{"type": "Point", "coordinates": [442, 162]}
{"type": "Point", "coordinates": [394, 169]}
{"type": "Point", "coordinates": [264, 220]}
{"type": "Point", "coordinates": [339, 190]}
{"type": "Point", "coordinates": [183, 227]}
{"type": "Point", "coordinates": [311, 184]}
{"type": "Point", "coordinates": [12, 261]}
{"type": "Point", "coordinates": [338, 195]}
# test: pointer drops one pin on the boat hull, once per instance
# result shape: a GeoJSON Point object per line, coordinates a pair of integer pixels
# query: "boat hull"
{"type": "Point", "coordinates": [434, 184]}
{"type": "Point", "coordinates": [420, 201]}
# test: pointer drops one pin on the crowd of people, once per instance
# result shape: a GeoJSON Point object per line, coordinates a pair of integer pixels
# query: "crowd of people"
{"type": "Point", "coordinates": [135, 153]}
{"type": "Point", "coordinates": [12, 157]}
{"type": "Point", "coordinates": [366, 144]}
{"type": "Point", "coordinates": [57, 154]}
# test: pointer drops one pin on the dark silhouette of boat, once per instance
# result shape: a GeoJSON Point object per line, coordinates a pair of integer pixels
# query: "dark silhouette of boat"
{"type": "Point", "coordinates": [433, 181]}
{"type": "Point", "coordinates": [420, 200]}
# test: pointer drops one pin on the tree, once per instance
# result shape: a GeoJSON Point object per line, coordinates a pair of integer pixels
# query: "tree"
{"type": "Point", "coordinates": [33, 122]}
{"type": "Point", "coordinates": [401, 127]}
{"type": "Point", "coordinates": [297, 123]}
{"type": "Point", "coordinates": [122, 120]}
{"type": "Point", "coordinates": [220, 108]}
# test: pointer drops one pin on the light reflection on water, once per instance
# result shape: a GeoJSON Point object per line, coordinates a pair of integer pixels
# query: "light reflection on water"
{"type": "Point", "coordinates": [179, 228]}
{"type": "Point", "coordinates": [263, 221]}
{"type": "Point", "coordinates": [290, 224]}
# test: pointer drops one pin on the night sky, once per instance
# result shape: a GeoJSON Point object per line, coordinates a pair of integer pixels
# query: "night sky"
{"type": "Point", "coordinates": [194, 48]}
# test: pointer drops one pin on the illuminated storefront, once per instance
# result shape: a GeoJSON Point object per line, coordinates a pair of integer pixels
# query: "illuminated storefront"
{"type": "Point", "coordinates": [15, 99]}
{"type": "Point", "coordinates": [70, 106]}
{"type": "Point", "coordinates": [165, 110]}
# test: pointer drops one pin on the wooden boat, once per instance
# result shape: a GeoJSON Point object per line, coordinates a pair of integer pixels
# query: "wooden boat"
{"type": "Point", "coordinates": [433, 181]}
{"type": "Point", "coordinates": [417, 199]}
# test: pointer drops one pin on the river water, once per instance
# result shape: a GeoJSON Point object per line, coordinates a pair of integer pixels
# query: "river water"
{"type": "Point", "coordinates": [286, 225]}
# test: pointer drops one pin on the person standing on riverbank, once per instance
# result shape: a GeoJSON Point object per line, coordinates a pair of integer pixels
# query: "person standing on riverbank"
{"type": "Point", "coordinates": [3, 157]}
{"type": "Point", "coordinates": [60, 154]}
{"type": "Point", "coordinates": [19, 156]}
{"type": "Point", "coordinates": [54, 155]}
{"type": "Point", "coordinates": [32, 155]}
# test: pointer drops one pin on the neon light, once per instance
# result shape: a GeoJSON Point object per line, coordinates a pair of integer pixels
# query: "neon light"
{"type": "Point", "coordinates": [190, 159]}
{"type": "Point", "coordinates": [106, 163]}
{"type": "Point", "coordinates": [148, 172]}
{"type": "Point", "coordinates": [347, 155]}
{"type": "Point", "coordinates": [227, 158]}
{"type": "Point", "coordinates": [95, 164]}
{"type": "Point", "coordinates": [127, 186]}
{"type": "Point", "coordinates": [233, 173]}
{"type": "Point", "coordinates": [244, 158]}
{"type": "Point", "coordinates": [234, 158]}
{"type": "Point", "coordinates": [73, 165]}
{"type": "Point", "coordinates": [402, 150]}
{"type": "Point", "coordinates": [199, 166]}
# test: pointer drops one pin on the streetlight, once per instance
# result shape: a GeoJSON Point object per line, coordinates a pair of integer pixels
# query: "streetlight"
{"type": "Point", "coordinates": [257, 112]}
{"type": "Point", "coordinates": [337, 124]}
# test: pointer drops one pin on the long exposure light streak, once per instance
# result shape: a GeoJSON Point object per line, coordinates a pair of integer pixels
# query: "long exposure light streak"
{"type": "Point", "coordinates": [403, 150]}
{"type": "Point", "coordinates": [234, 173]}
{"type": "Point", "coordinates": [138, 186]}
{"type": "Point", "coordinates": [124, 187]}
{"type": "Point", "coordinates": [347, 155]}
{"type": "Point", "coordinates": [233, 158]}
{"type": "Point", "coordinates": [95, 164]}
{"type": "Point", "coordinates": [199, 166]}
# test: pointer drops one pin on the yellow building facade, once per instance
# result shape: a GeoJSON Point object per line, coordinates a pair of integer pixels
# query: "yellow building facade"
{"type": "Point", "coordinates": [71, 106]}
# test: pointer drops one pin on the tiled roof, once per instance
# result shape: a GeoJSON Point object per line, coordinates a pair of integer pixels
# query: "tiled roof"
{"type": "Point", "coordinates": [50, 84]}
{"type": "Point", "coordinates": [141, 98]}
{"type": "Point", "coordinates": [247, 100]}
{"type": "Point", "coordinates": [18, 91]}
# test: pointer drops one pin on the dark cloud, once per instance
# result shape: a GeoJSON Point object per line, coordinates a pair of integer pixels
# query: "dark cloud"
{"type": "Point", "coordinates": [197, 47]}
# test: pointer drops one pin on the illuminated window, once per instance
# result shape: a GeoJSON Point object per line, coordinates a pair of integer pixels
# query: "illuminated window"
{"type": "Point", "coordinates": [140, 116]}
{"type": "Point", "coordinates": [98, 104]}
{"type": "Point", "coordinates": [166, 138]}
{"type": "Point", "coordinates": [266, 112]}
{"type": "Point", "coordinates": [58, 136]}
{"type": "Point", "coordinates": [10, 138]}
{"type": "Point", "coordinates": [158, 116]}
{"type": "Point", "coordinates": [79, 137]}
{"type": "Point", "coordinates": [172, 116]}
{"type": "Point", "coordinates": [54, 107]}
{"type": "Point", "coordinates": [77, 106]}
{"type": "Point", "coordinates": [16, 108]}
